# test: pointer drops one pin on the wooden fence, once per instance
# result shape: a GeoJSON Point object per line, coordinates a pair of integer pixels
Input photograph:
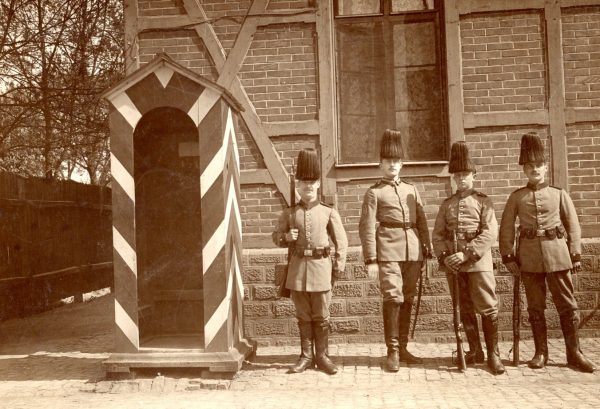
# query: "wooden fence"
{"type": "Point", "coordinates": [55, 242]}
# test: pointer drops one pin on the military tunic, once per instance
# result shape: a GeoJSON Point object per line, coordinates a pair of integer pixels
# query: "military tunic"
{"type": "Point", "coordinates": [392, 202]}
{"type": "Point", "coordinates": [317, 223]}
{"type": "Point", "coordinates": [471, 215]}
{"type": "Point", "coordinates": [393, 233]}
{"type": "Point", "coordinates": [541, 209]}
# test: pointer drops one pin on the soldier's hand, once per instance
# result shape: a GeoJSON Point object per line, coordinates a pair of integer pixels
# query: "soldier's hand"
{"type": "Point", "coordinates": [513, 267]}
{"type": "Point", "coordinates": [373, 271]}
{"type": "Point", "coordinates": [576, 267]}
{"type": "Point", "coordinates": [454, 261]}
{"type": "Point", "coordinates": [291, 235]}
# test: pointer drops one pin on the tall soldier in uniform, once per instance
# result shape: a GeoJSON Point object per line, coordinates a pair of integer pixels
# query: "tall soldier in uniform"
{"type": "Point", "coordinates": [468, 216]}
{"type": "Point", "coordinates": [395, 248]}
{"type": "Point", "coordinates": [550, 248]}
{"type": "Point", "coordinates": [311, 269]}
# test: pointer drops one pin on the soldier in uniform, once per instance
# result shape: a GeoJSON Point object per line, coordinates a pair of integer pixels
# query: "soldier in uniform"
{"type": "Point", "coordinates": [314, 264]}
{"type": "Point", "coordinates": [395, 239]}
{"type": "Point", "coordinates": [468, 216]}
{"type": "Point", "coordinates": [549, 249]}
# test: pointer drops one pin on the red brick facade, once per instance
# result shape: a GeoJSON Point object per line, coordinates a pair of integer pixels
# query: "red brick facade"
{"type": "Point", "coordinates": [505, 73]}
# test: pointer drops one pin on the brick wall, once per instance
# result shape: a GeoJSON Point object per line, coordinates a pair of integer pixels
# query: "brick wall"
{"type": "Point", "coordinates": [279, 73]}
{"type": "Point", "coordinates": [356, 304]}
{"type": "Point", "coordinates": [503, 62]}
{"type": "Point", "coordinates": [584, 170]}
{"type": "Point", "coordinates": [149, 8]}
{"type": "Point", "coordinates": [581, 50]}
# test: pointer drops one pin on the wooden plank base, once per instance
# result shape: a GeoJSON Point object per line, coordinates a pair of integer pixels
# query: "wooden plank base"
{"type": "Point", "coordinates": [230, 361]}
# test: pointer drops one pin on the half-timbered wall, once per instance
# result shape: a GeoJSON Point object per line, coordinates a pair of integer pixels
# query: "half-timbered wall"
{"type": "Point", "coordinates": [511, 67]}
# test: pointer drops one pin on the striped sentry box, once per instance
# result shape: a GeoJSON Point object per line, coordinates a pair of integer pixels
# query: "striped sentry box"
{"type": "Point", "coordinates": [162, 83]}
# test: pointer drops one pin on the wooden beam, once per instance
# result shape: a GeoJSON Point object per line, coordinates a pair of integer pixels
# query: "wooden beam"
{"type": "Point", "coordinates": [556, 101]}
{"type": "Point", "coordinates": [578, 3]}
{"type": "Point", "coordinates": [270, 156]}
{"type": "Point", "coordinates": [165, 22]}
{"type": "Point", "coordinates": [481, 119]}
{"type": "Point", "coordinates": [327, 115]}
{"type": "Point", "coordinates": [454, 69]}
{"type": "Point", "coordinates": [132, 60]}
{"type": "Point", "coordinates": [307, 16]}
{"type": "Point", "coordinates": [574, 115]}
{"type": "Point", "coordinates": [310, 127]}
{"type": "Point", "coordinates": [255, 177]}
{"type": "Point", "coordinates": [486, 6]}
{"type": "Point", "coordinates": [436, 169]}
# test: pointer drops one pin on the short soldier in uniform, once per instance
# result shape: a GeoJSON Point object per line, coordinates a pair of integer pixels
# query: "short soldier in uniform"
{"type": "Point", "coordinates": [312, 268]}
{"type": "Point", "coordinates": [549, 249]}
{"type": "Point", "coordinates": [468, 217]}
{"type": "Point", "coordinates": [395, 239]}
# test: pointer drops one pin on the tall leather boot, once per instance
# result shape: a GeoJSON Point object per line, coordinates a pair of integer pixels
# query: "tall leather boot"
{"type": "Point", "coordinates": [569, 322]}
{"type": "Point", "coordinates": [490, 333]}
{"type": "Point", "coordinates": [306, 348]}
{"type": "Point", "coordinates": [390, 330]}
{"type": "Point", "coordinates": [403, 326]}
{"type": "Point", "coordinates": [321, 333]}
{"type": "Point", "coordinates": [540, 340]}
{"type": "Point", "coordinates": [475, 354]}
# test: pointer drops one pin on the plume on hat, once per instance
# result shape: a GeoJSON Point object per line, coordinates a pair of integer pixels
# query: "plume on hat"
{"type": "Point", "coordinates": [308, 167]}
{"type": "Point", "coordinates": [391, 145]}
{"type": "Point", "coordinates": [532, 149]}
{"type": "Point", "coordinates": [460, 160]}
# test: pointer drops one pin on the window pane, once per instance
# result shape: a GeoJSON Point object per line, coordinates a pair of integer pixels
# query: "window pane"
{"type": "Point", "coordinates": [357, 7]}
{"type": "Point", "coordinates": [361, 105]}
{"type": "Point", "coordinates": [418, 90]}
{"type": "Point", "coordinates": [412, 5]}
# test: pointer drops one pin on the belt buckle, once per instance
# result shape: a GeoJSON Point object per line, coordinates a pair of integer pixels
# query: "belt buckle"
{"type": "Point", "coordinates": [308, 252]}
{"type": "Point", "coordinates": [540, 232]}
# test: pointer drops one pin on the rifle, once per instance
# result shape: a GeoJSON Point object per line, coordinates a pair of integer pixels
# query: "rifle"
{"type": "Point", "coordinates": [462, 365]}
{"type": "Point", "coordinates": [283, 291]}
{"type": "Point", "coordinates": [516, 309]}
{"type": "Point", "coordinates": [425, 269]}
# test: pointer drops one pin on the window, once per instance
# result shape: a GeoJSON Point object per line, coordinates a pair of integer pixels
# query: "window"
{"type": "Point", "coordinates": [390, 74]}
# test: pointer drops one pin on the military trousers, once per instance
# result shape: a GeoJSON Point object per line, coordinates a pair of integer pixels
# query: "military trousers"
{"type": "Point", "coordinates": [477, 291]}
{"type": "Point", "coordinates": [560, 284]}
{"type": "Point", "coordinates": [398, 280]}
{"type": "Point", "coordinates": [311, 306]}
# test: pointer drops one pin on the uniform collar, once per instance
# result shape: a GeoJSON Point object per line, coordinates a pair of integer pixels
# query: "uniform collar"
{"type": "Point", "coordinates": [310, 205]}
{"type": "Point", "coordinates": [391, 182]}
{"type": "Point", "coordinates": [465, 193]}
{"type": "Point", "coordinates": [538, 186]}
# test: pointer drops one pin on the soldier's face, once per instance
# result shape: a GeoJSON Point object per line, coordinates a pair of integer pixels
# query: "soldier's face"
{"type": "Point", "coordinates": [464, 180]}
{"type": "Point", "coordinates": [535, 171]}
{"type": "Point", "coordinates": [390, 167]}
{"type": "Point", "coordinates": [308, 189]}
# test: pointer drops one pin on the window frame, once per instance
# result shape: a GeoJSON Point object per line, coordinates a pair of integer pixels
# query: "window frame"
{"type": "Point", "coordinates": [389, 18]}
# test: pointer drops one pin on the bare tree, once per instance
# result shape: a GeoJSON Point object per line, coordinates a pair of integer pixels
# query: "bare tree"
{"type": "Point", "coordinates": [57, 57]}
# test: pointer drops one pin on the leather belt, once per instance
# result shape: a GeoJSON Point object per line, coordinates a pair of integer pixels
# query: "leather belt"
{"type": "Point", "coordinates": [551, 233]}
{"type": "Point", "coordinates": [398, 225]}
{"type": "Point", "coordinates": [462, 234]}
{"type": "Point", "coordinates": [316, 252]}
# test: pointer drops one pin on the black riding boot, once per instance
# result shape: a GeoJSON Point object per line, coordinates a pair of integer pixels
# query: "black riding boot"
{"type": "Point", "coordinates": [490, 333]}
{"type": "Point", "coordinates": [403, 327]}
{"type": "Point", "coordinates": [540, 340]}
{"type": "Point", "coordinates": [306, 348]}
{"type": "Point", "coordinates": [569, 323]}
{"type": "Point", "coordinates": [390, 329]}
{"type": "Point", "coordinates": [321, 332]}
{"type": "Point", "coordinates": [475, 354]}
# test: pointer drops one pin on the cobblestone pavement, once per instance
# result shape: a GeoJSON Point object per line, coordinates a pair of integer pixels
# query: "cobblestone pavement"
{"type": "Point", "coordinates": [53, 360]}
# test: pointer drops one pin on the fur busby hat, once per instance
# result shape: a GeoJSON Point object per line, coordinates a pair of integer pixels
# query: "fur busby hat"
{"type": "Point", "coordinates": [460, 161]}
{"type": "Point", "coordinates": [532, 149]}
{"type": "Point", "coordinates": [308, 165]}
{"type": "Point", "coordinates": [391, 145]}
